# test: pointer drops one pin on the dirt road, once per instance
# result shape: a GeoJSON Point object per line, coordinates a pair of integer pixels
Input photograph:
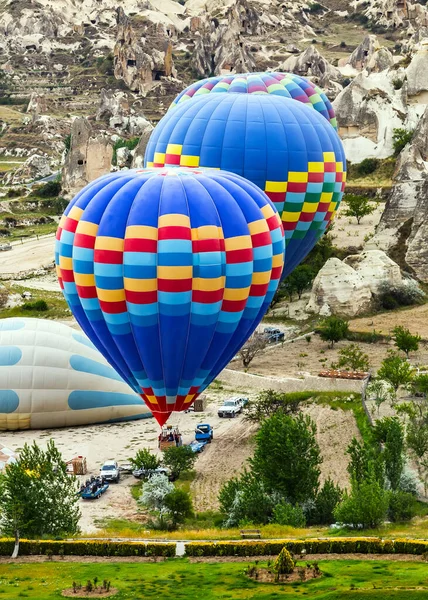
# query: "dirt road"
{"type": "Point", "coordinates": [28, 256]}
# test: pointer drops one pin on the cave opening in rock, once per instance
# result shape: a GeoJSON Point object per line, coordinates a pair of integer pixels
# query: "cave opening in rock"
{"type": "Point", "coordinates": [80, 161]}
{"type": "Point", "coordinates": [131, 62]}
{"type": "Point", "coordinates": [158, 74]}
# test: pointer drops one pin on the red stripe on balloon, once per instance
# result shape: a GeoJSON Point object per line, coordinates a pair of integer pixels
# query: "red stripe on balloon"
{"type": "Point", "coordinates": [141, 297]}
{"type": "Point", "coordinates": [330, 167]}
{"type": "Point", "coordinates": [259, 289]}
{"type": "Point", "coordinates": [174, 285]}
{"type": "Point", "coordinates": [174, 233]}
{"type": "Point", "coordinates": [276, 273]}
{"type": "Point", "coordinates": [276, 196]}
{"type": "Point", "coordinates": [296, 187]}
{"type": "Point", "coordinates": [213, 245]}
{"type": "Point", "coordinates": [207, 297]}
{"type": "Point", "coordinates": [70, 225]}
{"type": "Point", "coordinates": [233, 305]}
{"type": "Point", "coordinates": [316, 177]}
{"type": "Point", "coordinates": [111, 257]}
{"type": "Point", "coordinates": [172, 159]}
{"type": "Point", "coordinates": [261, 239]}
{"type": "Point", "coordinates": [58, 233]}
{"type": "Point", "coordinates": [86, 291]}
{"type": "Point", "coordinates": [140, 245]}
{"type": "Point", "coordinates": [239, 256]}
{"type": "Point", "coordinates": [113, 307]}
{"type": "Point", "coordinates": [289, 226]}
{"type": "Point", "coordinates": [67, 276]}
{"type": "Point", "coordinates": [306, 217]}
{"type": "Point", "coordinates": [84, 241]}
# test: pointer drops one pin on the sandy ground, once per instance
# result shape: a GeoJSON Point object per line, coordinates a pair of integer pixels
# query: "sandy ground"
{"type": "Point", "coordinates": [28, 256]}
{"type": "Point", "coordinates": [120, 441]}
{"type": "Point", "coordinates": [346, 231]}
{"type": "Point", "coordinates": [415, 319]}
{"type": "Point", "coordinates": [47, 282]}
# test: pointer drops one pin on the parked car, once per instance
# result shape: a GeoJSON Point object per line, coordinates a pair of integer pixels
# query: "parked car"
{"type": "Point", "coordinates": [204, 433]}
{"type": "Point", "coordinates": [232, 407]}
{"type": "Point", "coordinates": [110, 471]}
{"type": "Point", "coordinates": [146, 473]}
{"type": "Point", "coordinates": [273, 335]}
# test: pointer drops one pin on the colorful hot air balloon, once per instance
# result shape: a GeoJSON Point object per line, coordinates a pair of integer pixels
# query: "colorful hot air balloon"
{"type": "Point", "coordinates": [169, 271]}
{"type": "Point", "coordinates": [277, 84]}
{"type": "Point", "coordinates": [285, 148]}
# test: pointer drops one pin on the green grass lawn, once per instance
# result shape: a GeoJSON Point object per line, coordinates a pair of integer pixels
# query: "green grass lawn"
{"type": "Point", "coordinates": [178, 579]}
{"type": "Point", "coordinates": [57, 306]}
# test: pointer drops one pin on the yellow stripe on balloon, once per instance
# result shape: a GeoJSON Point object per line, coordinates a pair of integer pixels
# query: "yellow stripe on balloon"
{"type": "Point", "coordinates": [84, 279]}
{"type": "Point", "coordinates": [275, 186]}
{"type": "Point", "coordinates": [240, 242]}
{"type": "Point", "coordinates": [277, 260]}
{"type": "Point", "coordinates": [258, 227]}
{"type": "Point", "coordinates": [111, 295]}
{"type": "Point", "coordinates": [329, 157]}
{"type": "Point", "coordinates": [189, 161]}
{"type": "Point", "coordinates": [261, 278]}
{"type": "Point", "coordinates": [87, 228]}
{"type": "Point", "coordinates": [236, 294]}
{"type": "Point", "coordinates": [268, 211]}
{"type": "Point", "coordinates": [174, 149]}
{"type": "Point", "coordinates": [174, 220]}
{"type": "Point", "coordinates": [175, 272]}
{"type": "Point", "coordinates": [140, 285]}
{"type": "Point", "coordinates": [141, 232]}
{"type": "Point", "coordinates": [151, 399]}
{"type": "Point", "coordinates": [298, 177]}
{"type": "Point", "coordinates": [159, 158]}
{"type": "Point", "coordinates": [310, 207]}
{"type": "Point", "coordinates": [208, 285]}
{"type": "Point", "coordinates": [75, 213]}
{"type": "Point", "coordinates": [316, 167]}
{"type": "Point", "coordinates": [66, 263]}
{"type": "Point", "coordinates": [291, 217]}
{"type": "Point", "coordinates": [104, 242]}
{"type": "Point", "coordinates": [207, 232]}
{"type": "Point", "coordinates": [326, 197]}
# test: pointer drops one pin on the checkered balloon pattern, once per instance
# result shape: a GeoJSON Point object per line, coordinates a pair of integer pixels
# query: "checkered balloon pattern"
{"type": "Point", "coordinates": [285, 148]}
{"type": "Point", "coordinates": [287, 85]}
{"type": "Point", "coordinates": [168, 272]}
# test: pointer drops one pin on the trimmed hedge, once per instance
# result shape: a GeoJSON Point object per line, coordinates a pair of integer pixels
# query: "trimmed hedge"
{"type": "Point", "coordinates": [87, 548]}
{"type": "Point", "coordinates": [312, 546]}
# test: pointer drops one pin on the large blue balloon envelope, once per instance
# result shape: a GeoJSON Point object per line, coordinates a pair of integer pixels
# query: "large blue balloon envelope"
{"type": "Point", "coordinates": [284, 147]}
{"type": "Point", "coordinates": [168, 272]}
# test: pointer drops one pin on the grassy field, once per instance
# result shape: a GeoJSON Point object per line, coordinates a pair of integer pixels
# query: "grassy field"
{"type": "Point", "coordinates": [177, 578]}
{"type": "Point", "coordinates": [57, 306]}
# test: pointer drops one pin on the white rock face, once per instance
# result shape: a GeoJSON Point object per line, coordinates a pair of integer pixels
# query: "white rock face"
{"type": "Point", "coordinates": [35, 167]}
{"type": "Point", "coordinates": [375, 268]}
{"type": "Point", "coordinates": [340, 289]}
{"type": "Point", "coordinates": [123, 156]}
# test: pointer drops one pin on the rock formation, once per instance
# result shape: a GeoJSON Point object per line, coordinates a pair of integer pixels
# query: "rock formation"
{"type": "Point", "coordinates": [35, 167]}
{"type": "Point", "coordinates": [403, 229]}
{"type": "Point", "coordinates": [138, 158]}
{"type": "Point", "coordinates": [312, 64]}
{"type": "Point", "coordinates": [375, 269]}
{"type": "Point", "coordinates": [116, 110]}
{"type": "Point", "coordinates": [369, 55]}
{"type": "Point", "coordinates": [140, 59]}
{"type": "Point", "coordinates": [339, 289]}
{"type": "Point", "coordinates": [89, 157]}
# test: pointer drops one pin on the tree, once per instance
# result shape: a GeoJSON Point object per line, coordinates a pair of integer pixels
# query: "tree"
{"type": "Point", "coordinates": [353, 358]}
{"type": "Point", "coordinates": [155, 489]}
{"type": "Point", "coordinates": [402, 506]}
{"type": "Point", "coordinates": [365, 463]}
{"type": "Point", "coordinates": [405, 341]}
{"type": "Point", "coordinates": [251, 348]}
{"type": "Point", "coordinates": [144, 459]}
{"type": "Point", "coordinates": [284, 563]}
{"type": "Point", "coordinates": [333, 329]}
{"type": "Point", "coordinates": [245, 498]}
{"type": "Point", "coordinates": [285, 513]}
{"type": "Point", "coordinates": [287, 457]}
{"type": "Point", "coordinates": [395, 370]}
{"type": "Point", "coordinates": [401, 137]}
{"type": "Point", "coordinates": [179, 459]}
{"type": "Point", "coordinates": [326, 501]}
{"type": "Point", "coordinates": [420, 385]}
{"type": "Point", "coordinates": [37, 496]}
{"type": "Point", "coordinates": [417, 434]}
{"type": "Point", "coordinates": [390, 433]}
{"type": "Point", "coordinates": [268, 402]}
{"type": "Point", "coordinates": [366, 505]}
{"type": "Point", "coordinates": [178, 503]}
{"type": "Point", "coordinates": [358, 207]}
{"type": "Point", "coordinates": [298, 281]}
{"type": "Point", "coordinates": [380, 391]}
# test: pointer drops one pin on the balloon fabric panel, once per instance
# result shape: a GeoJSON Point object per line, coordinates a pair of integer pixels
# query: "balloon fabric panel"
{"type": "Point", "coordinates": [282, 146]}
{"type": "Point", "coordinates": [169, 271]}
{"type": "Point", "coordinates": [287, 85]}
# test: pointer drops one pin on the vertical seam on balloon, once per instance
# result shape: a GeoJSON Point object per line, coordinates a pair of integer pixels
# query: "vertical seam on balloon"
{"type": "Point", "coordinates": [217, 105]}
{"type": "Point", "coordinates": [157, 283]}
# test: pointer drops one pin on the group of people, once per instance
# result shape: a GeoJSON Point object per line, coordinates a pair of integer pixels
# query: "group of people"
{"type": "Point", "coordinates": [92, 485]}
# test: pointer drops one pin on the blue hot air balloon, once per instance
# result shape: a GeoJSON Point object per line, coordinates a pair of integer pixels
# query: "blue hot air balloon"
{"type": "Point", "coordinates": [168, 272]}
{"type": "Point", "coordinates": [284, 147]}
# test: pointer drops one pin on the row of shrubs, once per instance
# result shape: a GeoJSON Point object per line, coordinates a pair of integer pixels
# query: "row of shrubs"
{"type": "Point", "coordinates": [86, 548]}
{"type": "Point", "coordinates": [311, 546]}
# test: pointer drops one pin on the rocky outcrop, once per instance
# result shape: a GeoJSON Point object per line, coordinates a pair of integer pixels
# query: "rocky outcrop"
{"type": "Point", "coordinates": [417, 75]}
{"type": "Point", "coordinates": [339, 289]}
{"type": "Point", "coordinates": [140, 59]}
{"type": "Point", "coordinates": [89, 156]}
{"type": "Point", "coordinates": [396, 14]}
{"type": "Point", "coordinates": [312, 64]}
{"type": "Point", "coordinates": [349, 288]}
{"type": "Point", "coordinates": [116, 110]}
{"type": "Point", "coordinates": [140, 150]}
{"type": "Point", "coordinates": [35, 167]}
{"type": "Point", "coordinates": [363, 53]}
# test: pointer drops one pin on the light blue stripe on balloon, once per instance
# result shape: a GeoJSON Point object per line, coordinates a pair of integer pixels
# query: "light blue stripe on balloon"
{"type": "Point", "coordinates": [83, 254]}
{"type": "Point", "coordinates": [174, 246]}
{"type": "Point", "coordinates": [70, 287]}
{"type": "Point", "coordinates": [200, 308]}
{"type": "Point", "coordinates": [67, 237]}
{"type": "Point", "coordinates": [9, 401]}
{"type": "Point", "coordinates": [296, 197]}
{"type": "Point", "coordinates": [254, 301]}
{"type": "Point", "coordinates": [107, 270]}
{"type": "Point", "coordinates": [276, 235]}
{"type": "Point", "coordinates": [90, 303]}
{"type": "Point", "coordinates": [208, 258]}
{"type": "Point", "coordinates": [319, 216]}
{"type": "Point", "coordinates": [83, 340]}
{"type": "Point", "coordinates": [314, 188]}
{"type": "Point", "coordinates": [262, 252]}
{"type": "Point", "coordinates": [139, 258]}
{"type": "Point", "coordinates": [11, 324]}
{"type": "Point", "coordinates": [329, 177]}
{"type": "Point", "coordinates": [230, 317]}
{"type": "Point", "coordinates": [245, 268]}
{"type": "Point", "coordinates": [143, 309]}
{"type": "Point", "coordinates": [116, 318]}
{"type": "Point", "coordinates": [9, 356]}
{"type": "Point", "coordinates": [87, 365]}
{"type": "Point", "coordinates": [146, 415]}
{"type": "Point", "coordinates": [83, 400]}
{"type": "Point", "coordinates": [174, 297]}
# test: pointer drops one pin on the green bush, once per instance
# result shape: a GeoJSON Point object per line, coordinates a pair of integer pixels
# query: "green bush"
{"type": "Point", "coordinates": [361, 545]}
{"type": "Point", "coordinates": [366, 506]}
{"type": "Point", "coordinates": [402, 506]}
{"type": "Point", "coordinates": [130, 144]}
{"type": "Point", "coordinates": [285, 513]}
{"type": "Point", "coordinates": [284, 563]}
{"type": "Point", "coordinates": [367, 166]}
{"type": "Point", "coordinates": [401, 138]}
{"type": "Point", "coordinates": [48, 190]}
{"type": "Point", "coordinates": [87, 548]}
{"type": "Point", "coordinates": [37, 305]}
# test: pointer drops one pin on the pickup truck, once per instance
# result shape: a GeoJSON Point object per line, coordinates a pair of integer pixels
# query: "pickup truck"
{"type": "Point", "coordinates": [232, 407]}
{"type": "Point", "coordinates": [110, 471]}
{"type": "Point", "coordinates": [273, 335]}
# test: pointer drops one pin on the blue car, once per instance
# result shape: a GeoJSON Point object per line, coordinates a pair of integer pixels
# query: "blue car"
{"type": "Point", "coordinates": [204, 433]}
